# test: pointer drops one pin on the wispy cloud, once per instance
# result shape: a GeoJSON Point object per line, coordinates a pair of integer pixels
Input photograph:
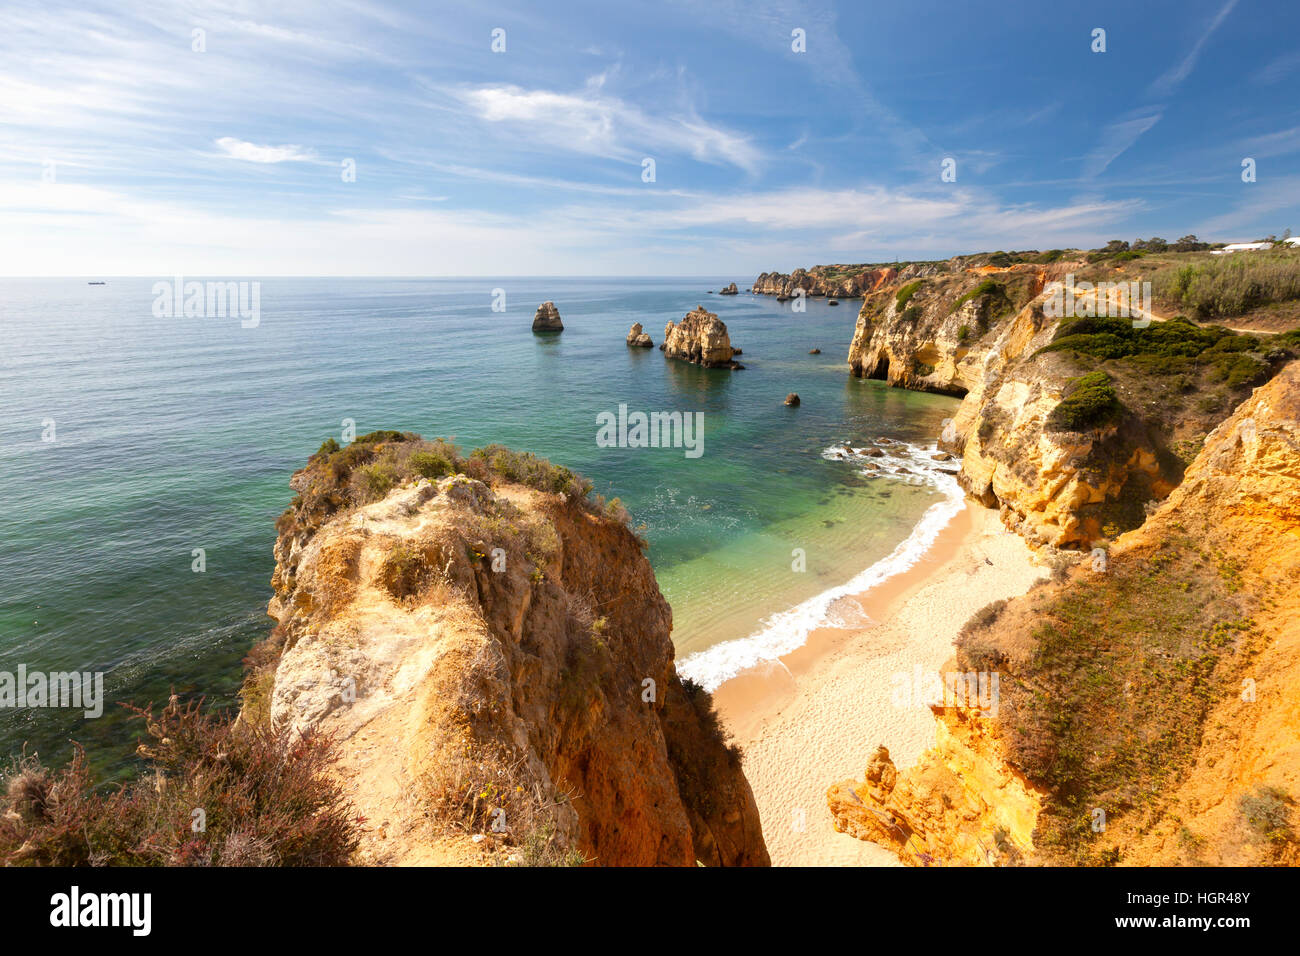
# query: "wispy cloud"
{"type": "Point", "coordinates": [599, 124]}
{"type": "Point", "coordinates": [1117, 138]}
{"type": "Point", "coordinates": [251, 152]}
{"type": "Point", "coordinates": [1172, 78]}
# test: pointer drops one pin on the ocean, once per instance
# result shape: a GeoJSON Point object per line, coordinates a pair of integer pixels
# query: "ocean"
{"type": "Point", "coordinates": [130, 440]}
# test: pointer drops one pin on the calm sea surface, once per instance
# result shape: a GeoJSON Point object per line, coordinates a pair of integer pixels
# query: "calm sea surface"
{"type": "Point", "coordinates": [171, 434]}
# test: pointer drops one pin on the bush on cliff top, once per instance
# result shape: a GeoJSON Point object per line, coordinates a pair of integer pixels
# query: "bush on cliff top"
{"type": "Point", "coordinates": [369, 468]}
{"type": "Point", "coordinates": [1174, 347]}
{"type": "Point", "coordinates": [265, 801]}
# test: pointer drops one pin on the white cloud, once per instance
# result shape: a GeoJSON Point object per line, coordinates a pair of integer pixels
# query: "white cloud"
{"type": "Point", "coordinates": [600, 124]}
{"type": "Point", "coordinates": [253, 153]}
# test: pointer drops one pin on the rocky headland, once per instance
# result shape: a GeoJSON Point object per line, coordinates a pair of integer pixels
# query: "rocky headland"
{"type": "Point", "coordinates": [491, 653]}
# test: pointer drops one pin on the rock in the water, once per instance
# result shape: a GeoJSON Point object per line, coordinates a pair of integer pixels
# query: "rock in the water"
{"type": "Point", "coordinates": [814, 351]}
{"type": "Point", "coordinates": [941, 456]}
{"type": "Point", "coordinates": [701, 338]}
{"type": "Point", "coordinates": [729, 290]}
{"type": "Point", "coordinates": [547, 318]}
{"type": "Point", "coordinates": [832, 301]}
{"type": "Point", "coordinates": [638, 337]}
{"type": "Point", "coordinates": [792, 399]}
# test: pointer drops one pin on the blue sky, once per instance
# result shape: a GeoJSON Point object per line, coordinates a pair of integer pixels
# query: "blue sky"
{"type": "Point", "coordinates": [228, 161]}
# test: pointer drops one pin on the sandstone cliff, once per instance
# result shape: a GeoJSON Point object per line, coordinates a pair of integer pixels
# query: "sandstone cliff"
{"type": "Point", "coordinates": [491, 651]}
{"type": "Point", "coordinates": [1066, 480]}
{"type": "Point", "coordinates": [1147, 712]}
{"type": "Point", "coordinates": [701, 337]}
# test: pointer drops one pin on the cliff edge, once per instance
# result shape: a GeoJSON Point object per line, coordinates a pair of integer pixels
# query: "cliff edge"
{"type": "Point", "coordinates": [490, 651]}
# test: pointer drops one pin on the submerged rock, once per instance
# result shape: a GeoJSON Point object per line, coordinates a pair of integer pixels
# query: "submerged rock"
{"type": "Point", "coordinates": [547, 318]}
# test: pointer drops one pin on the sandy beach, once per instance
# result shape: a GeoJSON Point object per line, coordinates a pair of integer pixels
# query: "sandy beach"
{"type": "Point", "coordinates": [816, 716]}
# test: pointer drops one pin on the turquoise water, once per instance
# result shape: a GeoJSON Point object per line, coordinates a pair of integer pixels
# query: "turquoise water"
{"type": "Point", "coordinates": [172, 434]}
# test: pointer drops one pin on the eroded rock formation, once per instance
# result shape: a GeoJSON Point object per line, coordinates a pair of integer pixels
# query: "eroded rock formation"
{"type": "Point", "coordinates": [1147, 712]}
{"type": "Point", "coordinates": [547, 318]}
{"type": "Point", "coordinates": [729, 290]}
{"type": "Point", "coordinates": [493, 660]}
{"type": "Point", "coordinates": [637, 337]}
{"type": "Point", "coordinates": [701, 337]}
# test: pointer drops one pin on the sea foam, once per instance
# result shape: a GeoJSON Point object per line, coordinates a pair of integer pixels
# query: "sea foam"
{"type": "Point", "coordinates": [788, 630]}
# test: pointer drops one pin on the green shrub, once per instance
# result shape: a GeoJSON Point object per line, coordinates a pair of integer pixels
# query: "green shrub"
{"type": "Point", "coordinates": [905, 294]}
{"type": "Point", "coordinates": [431, 465]}
{"type": "Point", "coordinates": [1174, 347]}
{"type": "Point", "coordinates": [1090, 402]}
{"type": "Point", "coordinates": [378, 479]}
{"type": "Point", "coordinates": [328, 447]}
{"type": "Point", "coordinates": [374, 438]}
{"type": "Point", "coordinates": [987, 287]}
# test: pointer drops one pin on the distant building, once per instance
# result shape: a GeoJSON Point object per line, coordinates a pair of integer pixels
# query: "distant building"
{"type": "Point", "coordinates": [1242, 247]}
{"type": "Point", "coordinates": [1293, 241]}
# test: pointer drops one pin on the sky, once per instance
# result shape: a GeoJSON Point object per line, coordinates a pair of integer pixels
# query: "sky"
{"type": "Point", "coordinates": [627, 138]}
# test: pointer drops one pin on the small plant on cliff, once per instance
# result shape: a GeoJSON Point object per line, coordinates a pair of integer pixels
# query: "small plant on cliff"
{"type": "Point", "coordinates": [905, 294]}
{"type": "Point", "coordinates": [1090, 402]}
{"type": "Point", "coordinates": [987, 287]}
{"type": "Point", "coordinates": [219, 795]}
{"type": "Point", "coordinates": [1268, 811]}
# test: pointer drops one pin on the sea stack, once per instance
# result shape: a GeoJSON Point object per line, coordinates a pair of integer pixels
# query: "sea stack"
{"type": "Point", "coordinates": [547, 318]}
{"type": "Point", "coordinates": [701, 338]}
{"type": "Point", "coordinates": [637, 337]}
{"type": "Point", "coordinates": [730, 290]}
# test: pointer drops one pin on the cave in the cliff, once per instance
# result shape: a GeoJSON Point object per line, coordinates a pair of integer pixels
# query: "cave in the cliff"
{"type": "Point", "coordinates": [881, 371]}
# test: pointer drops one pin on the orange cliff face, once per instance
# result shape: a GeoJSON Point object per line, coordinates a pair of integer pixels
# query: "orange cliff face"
{"type": "Point", "coordinates": [1186, 633]}
{"type": "Point", "coordinates": [495, 664]}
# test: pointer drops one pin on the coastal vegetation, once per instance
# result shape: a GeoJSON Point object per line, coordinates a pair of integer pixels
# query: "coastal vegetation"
{"type": "Point", "coordinates": [1108, 717]}
{"type": "Point", "coordinates": [1090, 402]}
{"type": "Point", "coordinates": [1221, 286]}
{"type": "Point", "coordinates": [217, 792]}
